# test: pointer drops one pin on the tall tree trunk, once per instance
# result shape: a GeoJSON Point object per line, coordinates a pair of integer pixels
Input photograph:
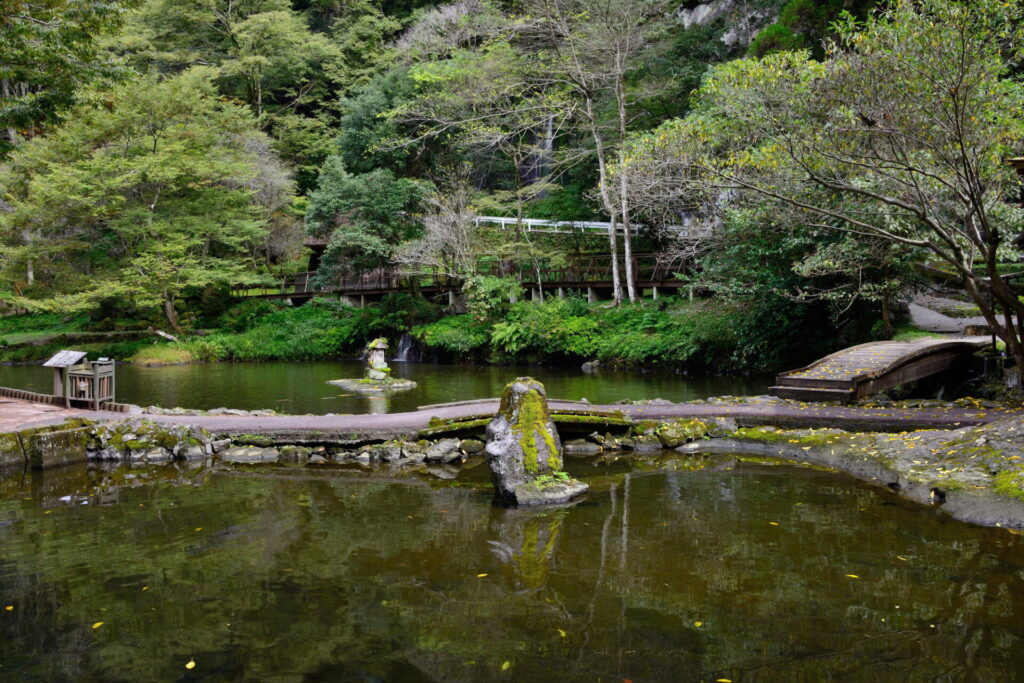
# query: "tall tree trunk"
{"type": "Point", "coordinates": [627, 239]}
{"type": "Point", "coordinates": [606, 199]}
{"type": "Point", "coordinates": [170, 312]}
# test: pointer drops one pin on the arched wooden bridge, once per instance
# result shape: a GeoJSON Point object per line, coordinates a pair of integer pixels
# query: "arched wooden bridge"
{"type": "Point", "coordinates": [866, 369]}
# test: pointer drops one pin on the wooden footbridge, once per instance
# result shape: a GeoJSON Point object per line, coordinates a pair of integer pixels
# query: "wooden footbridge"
{"type": "Point", "coordinates": [866, 369]}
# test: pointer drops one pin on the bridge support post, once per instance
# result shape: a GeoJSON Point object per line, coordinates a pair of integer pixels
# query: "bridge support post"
{"type": "Point", "coordinates": [451, 298]}
{"type": "Point", "coordinates": [654, 293]}
{"type": "Point", "coordinates": [561, 292]}
{"type": "Point", "coordinates": [348, 301]}
{"type": "Point", "coordinates": [535, 294]}
{"type": "Point", "coordinates": [591, 295]}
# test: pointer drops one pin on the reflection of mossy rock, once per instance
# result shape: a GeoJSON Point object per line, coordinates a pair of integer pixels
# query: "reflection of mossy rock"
{"type": "Point", "coordinates": [373, 386]}
{"type": "Point", "coordinates": [524, 451]}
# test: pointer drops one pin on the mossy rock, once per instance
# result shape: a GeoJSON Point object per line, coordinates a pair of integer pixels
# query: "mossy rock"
{"type": "Point", "coordinates": [676, 433]}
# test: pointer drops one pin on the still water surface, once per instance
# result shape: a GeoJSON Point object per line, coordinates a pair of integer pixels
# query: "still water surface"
{"type": "Point", "coordinates": [694, 570]}
{"type": "Point", "coordinates": [301, 388]}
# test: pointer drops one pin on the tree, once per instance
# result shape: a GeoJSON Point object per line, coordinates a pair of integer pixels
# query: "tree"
{"type": "Point", "coordinates": [147, 191]}
{"type": "Point", "coordinates": [590, 48]}
{"type": "Point", "coordinates": [47, 52]}
{"type": "Point", "coordinates": [365, 217]}
{"type": "Point", "coordinates": [265, 54]}
{"type": "Point", "coordinates": [901, 135]}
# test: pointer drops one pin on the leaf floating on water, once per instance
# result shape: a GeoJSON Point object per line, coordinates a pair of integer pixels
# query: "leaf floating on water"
{"type": "Point", "coordinates": [853, 576]}
{"type": "Point", "coordinates": [774, 523]}
{"type": "Point", "coordinates": [199, 528]}
{"type": "Point", "coordinates": [190, 665]}
{"type": "Point", "coordinates": [97, 624]}
{"type": "Point", "coordinates": [480, 576]}
{"type": "Point", "coordinates": [723, 680]}
{"type": "Point", "coordinates": [506, 666]}
{"type": "Point", "coordinates": [900, 557]}
{"type": "Point", "coordinates": [145, 588]}
{"type": "Point", "coordinates": [698, 624]}
{"type": "Point", "coordinates": [561, 632]}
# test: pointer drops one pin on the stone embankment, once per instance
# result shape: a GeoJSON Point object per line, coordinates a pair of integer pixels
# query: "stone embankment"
{"type": "Point", "coordinates": [967, 458]}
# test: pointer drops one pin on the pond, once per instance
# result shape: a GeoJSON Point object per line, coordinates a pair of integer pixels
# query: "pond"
{"type": "Point", "coordinates": [675, 568]}
{"type": "Point", "coordinates": [301, 388]}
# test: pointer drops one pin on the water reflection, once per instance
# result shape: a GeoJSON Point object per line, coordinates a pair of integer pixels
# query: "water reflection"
{"type": "Point", "coordinates": [697, 573]}
{"type": "Point", "coordinates": [302, 387]}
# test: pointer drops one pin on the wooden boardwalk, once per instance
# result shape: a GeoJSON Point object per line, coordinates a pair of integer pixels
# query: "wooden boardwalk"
{"type": "Point", "coordinates": [588, 274]}
{"type": "Point", "coordinates": [866, 369]}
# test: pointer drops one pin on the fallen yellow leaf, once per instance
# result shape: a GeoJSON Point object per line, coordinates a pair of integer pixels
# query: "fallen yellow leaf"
{"type": "Point", "coordinates": [9, 608]}
{"type": "Point", "coordinates": [774, 523]}
{"type": "Point", "coordinates": [480, 576]}
{"type": "Point", "coordinates": [97, 624]}
{"type": "Point", "coordinates": [190, 665]}
{"type": "Point", "coordinates": [561, 632]}
{"type": "Point", "coordinates": [506, 665]}
{"type": "Point", "coordinates": [698, 624]}
{"type": "Point", "coordinates": [853, 576]}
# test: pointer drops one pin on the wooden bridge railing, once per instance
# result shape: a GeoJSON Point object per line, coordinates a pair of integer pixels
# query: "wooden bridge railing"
{"type": "Point", "coordinates": [581, 271]}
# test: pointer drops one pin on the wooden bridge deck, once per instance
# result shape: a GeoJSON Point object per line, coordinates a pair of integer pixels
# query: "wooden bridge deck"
{"type": "Point", "coordinates": [866, 369]}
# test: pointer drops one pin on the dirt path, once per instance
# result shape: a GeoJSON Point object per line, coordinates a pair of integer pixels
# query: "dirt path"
{"type": "Point", "coordinates": [16, 415]}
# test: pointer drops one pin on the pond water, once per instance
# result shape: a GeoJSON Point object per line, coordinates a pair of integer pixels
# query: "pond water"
{"type": "Point", "coordinates": [301, 388]}
{"type": "Point", "coordinates": [677, 568]}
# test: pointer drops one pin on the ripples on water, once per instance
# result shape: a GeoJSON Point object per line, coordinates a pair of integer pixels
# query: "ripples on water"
{"type": "Point", "coordinates": [676, 569]}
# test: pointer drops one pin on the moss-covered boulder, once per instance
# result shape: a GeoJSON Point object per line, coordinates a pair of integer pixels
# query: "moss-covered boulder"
{"type": "Point", "coordinates": [10, 451]}
{"type": "Point", "coordinates": [524, 450]}
{"type": "Point", "coordinates": [676, 433]}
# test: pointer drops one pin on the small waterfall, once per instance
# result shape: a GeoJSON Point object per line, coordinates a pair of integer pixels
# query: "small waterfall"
{"type": "Point", "coordinates": [406, 349]}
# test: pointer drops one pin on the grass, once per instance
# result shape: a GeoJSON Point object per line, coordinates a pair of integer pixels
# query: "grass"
{"type": "Point", "coordinates": [22, 329]}
{"type": "Point", "coordinates": [162, 354]}
{"type": "Point", "coordinates": [908, 332]}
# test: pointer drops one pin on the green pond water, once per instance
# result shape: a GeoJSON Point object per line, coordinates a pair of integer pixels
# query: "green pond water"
{"type": "Point", "coordinates": [301, 388]}
{"type": "Point", "coordinates": [674, 568]}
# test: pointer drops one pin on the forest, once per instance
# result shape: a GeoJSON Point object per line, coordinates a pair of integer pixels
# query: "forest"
{"type": "Point", "coordinates": [799, 165]}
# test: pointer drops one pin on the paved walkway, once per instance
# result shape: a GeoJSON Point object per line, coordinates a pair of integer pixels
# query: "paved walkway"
{"type": "Point", "coordinates": [20, 415]}
{"type": "Point", "coordinates": [933, 321]}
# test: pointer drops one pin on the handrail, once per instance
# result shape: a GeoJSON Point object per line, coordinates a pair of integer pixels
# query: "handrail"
{"type": "Point", "coordinates": [580, 270]}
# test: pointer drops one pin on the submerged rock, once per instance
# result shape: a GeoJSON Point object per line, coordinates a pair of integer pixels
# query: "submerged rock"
{"type": "Point", "coordinates": [524, 451]}
{"type": "Point", "coordinates": [248, 454]}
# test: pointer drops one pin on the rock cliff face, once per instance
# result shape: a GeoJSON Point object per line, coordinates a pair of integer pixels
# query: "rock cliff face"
{"type": "Point", "coordinates": [524, 451]}
{"type": "Point", "coordinates": [743, 18]}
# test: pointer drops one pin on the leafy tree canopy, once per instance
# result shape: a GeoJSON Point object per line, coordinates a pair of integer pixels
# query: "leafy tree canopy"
{"type": "Point", "coordinates": [147, 190]}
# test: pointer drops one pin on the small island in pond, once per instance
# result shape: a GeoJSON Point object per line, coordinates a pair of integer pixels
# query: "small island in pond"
{"type": "Point", "coordinates": [378, 377]}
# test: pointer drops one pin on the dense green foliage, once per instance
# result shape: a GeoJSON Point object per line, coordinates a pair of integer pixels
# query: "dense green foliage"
{"type": "Point", "coordinates": [158, 153]}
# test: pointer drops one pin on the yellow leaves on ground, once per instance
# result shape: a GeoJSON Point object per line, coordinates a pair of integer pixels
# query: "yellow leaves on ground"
{"type": "Point", "coordinates": [561, 633]}
{"type": "Point", "coordinates": [774, 523]}
{"type": "Point", "coordinates": [853, 576]}
{"type": "Point", "coordinates": [97, 624]}
{"type": "Point", "coordinates": [506, 665]}
{"type": "Point", "coordinates": [9, 608]}
{"type": "Point", "coordinates": [191, 664]}
{"type": "Point", "coordinates": [480, 576]}
{"type": "Point", "coordinates": [698, 624]}
{"type": "Point", "coordinates": [199, 528]}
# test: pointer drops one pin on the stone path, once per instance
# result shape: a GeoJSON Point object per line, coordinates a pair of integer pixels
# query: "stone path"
{"type": "Point", "coordinates": [14, 413]}
{"type": "Point", "coordinates": [20, 415]}
{"type": "Point", "coordinates": [933, 321]}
